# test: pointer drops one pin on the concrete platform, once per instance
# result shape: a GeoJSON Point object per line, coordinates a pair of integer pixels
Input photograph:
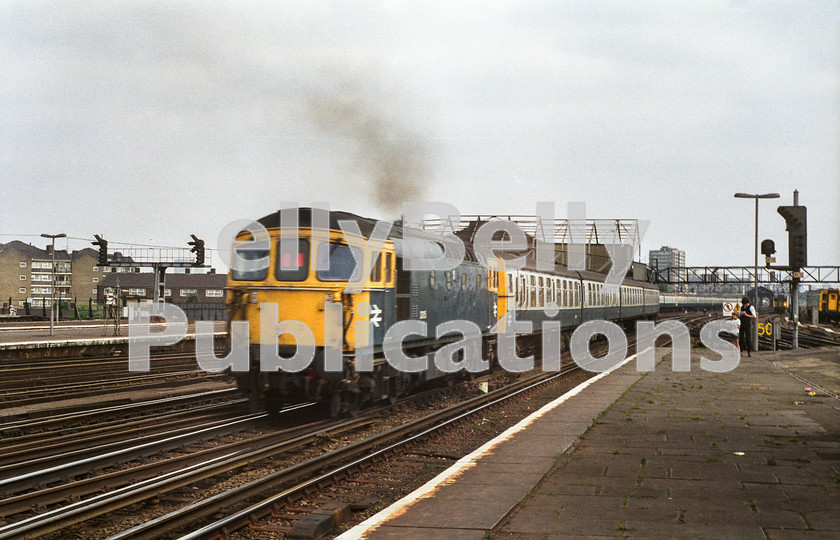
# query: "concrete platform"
{"type": "Point", "coordinates": [744, 454]}
{"type": "Point", "coordinates": [24, 336]}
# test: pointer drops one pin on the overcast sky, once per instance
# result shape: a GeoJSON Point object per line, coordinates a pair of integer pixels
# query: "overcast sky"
{"type": "Point", "coordinates": [145, 122]}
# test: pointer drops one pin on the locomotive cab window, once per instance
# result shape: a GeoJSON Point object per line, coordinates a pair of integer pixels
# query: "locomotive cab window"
{"type": "Point", "coordinates": [292, 260]}
{"type": "Point", "coordinates": [250, 264]}
{"type": "Point", "coordinates": [376, 271]}
{"type": "Point", "coordinates": [389, 278]}
{"type": "Point", "coordinates": [341, 259]}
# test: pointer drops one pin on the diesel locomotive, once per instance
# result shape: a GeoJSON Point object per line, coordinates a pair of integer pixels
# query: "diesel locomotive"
{"type": "Point", "coordinates": [341, 297]}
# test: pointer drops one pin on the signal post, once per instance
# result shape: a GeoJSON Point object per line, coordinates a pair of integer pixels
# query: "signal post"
{"type": "Point", "coordinates": [796, 218]}
{"type": "Point", "coordinates": [158, 264]}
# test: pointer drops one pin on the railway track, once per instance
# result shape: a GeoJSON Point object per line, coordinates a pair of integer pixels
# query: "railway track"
{"type": "Point", "coordinates": [808, 338]}
{"type": "Point", "coordinates": [47, 380]}
{"type": "Point", "coordinates": [25, 483]}
{"type": "Point", "coordinates": [339, 466]}
{"type": "Point", "coordinates": [151, 481]}
{"type": "Point", "coordinates": [49, 369]}
{"type": "Point", "coordinates": [47, 423]}
{"type": "Point", "coordinates": [174, 474]}
{"type": "Point", "coordinates": [63, 442]}
{"type": "Point", "coordinates": [320, 512]}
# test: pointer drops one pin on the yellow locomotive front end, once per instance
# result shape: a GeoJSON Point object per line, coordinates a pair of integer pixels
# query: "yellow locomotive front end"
{"type": "Point", "coordinates": [310, 302]}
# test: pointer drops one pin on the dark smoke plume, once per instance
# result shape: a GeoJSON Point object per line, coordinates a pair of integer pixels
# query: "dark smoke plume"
{"type": "Point", "coordinates": [392, 156]}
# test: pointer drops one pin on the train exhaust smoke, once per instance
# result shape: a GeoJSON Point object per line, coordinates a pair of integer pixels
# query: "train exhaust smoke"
{"type": "Point", "coordinates": [392, 156]}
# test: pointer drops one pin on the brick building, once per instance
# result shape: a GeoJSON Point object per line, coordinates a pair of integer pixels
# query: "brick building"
{"type": "Point", "coordinates": [179, 288]}
{"type": "Point", "coordinates": [26, 275]}
{"type": "Point", "coordinates": [200, 296]}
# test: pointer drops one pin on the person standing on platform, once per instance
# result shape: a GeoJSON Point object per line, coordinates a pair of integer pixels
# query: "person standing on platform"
{"type": "Point", "coordinates": [735, 330]}
{"type": "Point", "coordinates": [748, 315]}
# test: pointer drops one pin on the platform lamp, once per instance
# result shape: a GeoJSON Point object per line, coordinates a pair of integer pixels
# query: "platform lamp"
{"type": "Point", "coordinates": [754, 336]}
{"type": "Point", "coordinates": [52, 237]}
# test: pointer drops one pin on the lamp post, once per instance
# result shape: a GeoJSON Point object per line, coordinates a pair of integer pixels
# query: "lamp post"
{"type": "Point", "coordinates": [52, 237]}
{"type": "Point", "coordinates": [754, 336]}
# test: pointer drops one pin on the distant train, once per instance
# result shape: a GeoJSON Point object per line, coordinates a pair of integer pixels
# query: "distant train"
{"type": "Point", "coordinates": [826, 302]}
{"type": "Point", "coordinates": [687, 302]}
{"type": "Point", "coordinates": [766, 299]}
{"type": "Point", "coordinates": [304, 280]}
{"type": "Point", "coordinates": [780, 304]}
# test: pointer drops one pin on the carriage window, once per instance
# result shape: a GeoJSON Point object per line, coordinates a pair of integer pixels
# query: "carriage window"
{"type": "Point", "coordinates": [250, 264]}
{"type": "Point", "coordinates": [478, 282]}
{"type": "Point", "coordinates": [533, 283]}
{"type": "Point", "coordinates": [463, 281]}
{"type": "Point", "coordinates": [388, 267]}
{"type": "Point", "coordinates": [342, 263]}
